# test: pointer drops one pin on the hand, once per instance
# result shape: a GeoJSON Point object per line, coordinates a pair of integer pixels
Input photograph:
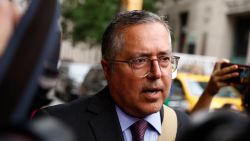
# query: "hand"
{"type": "Point", "coordinates": [9, 17]}
{"type": "Point", "coordinates": [219, 76]}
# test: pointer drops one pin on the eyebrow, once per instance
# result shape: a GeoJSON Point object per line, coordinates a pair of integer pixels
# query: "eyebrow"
{"type": "Point", "coordinates": [167, 52]}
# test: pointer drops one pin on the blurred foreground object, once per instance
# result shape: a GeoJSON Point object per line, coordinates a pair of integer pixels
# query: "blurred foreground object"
{"type": "Point", "coordinates": [9, 17]}
{"type": "Point", "coordinates": [32, 43]}
{"type": "Point", "coordinates": [44, 129]}
{"type": "Point", "coordinates": [22, 63]}
{"type": "Point", "coordinates": [218, 126]}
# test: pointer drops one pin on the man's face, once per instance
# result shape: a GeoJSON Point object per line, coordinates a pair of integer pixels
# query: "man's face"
{"type": "Point", "coordinates": [141, 96]}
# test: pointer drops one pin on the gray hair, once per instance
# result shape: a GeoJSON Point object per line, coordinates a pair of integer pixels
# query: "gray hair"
{"type": "Point", "coordinates": [112, 40]}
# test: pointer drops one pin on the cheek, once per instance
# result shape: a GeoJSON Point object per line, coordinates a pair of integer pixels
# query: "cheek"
{"type": "Point", "coordinates": [125, 80]}
{"type": "Point", "coordinates": [126, 90]}
{"type": "Point", "coordinates": [167, 81]}
{"type": "Point", "coordinates": [125, 75]}
{"type": "Point", "coordinates": [130, 83]}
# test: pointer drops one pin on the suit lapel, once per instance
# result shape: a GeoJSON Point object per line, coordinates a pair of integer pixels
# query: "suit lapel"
{"type": "Point", "coordinates": [105, 125]}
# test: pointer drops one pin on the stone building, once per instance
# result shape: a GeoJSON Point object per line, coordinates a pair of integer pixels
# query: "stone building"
{"type": "Point", "coordinates": [218, 28]}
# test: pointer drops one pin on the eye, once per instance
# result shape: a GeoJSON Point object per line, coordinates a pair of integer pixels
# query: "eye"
{"type": "Point", "coordinates": [139, 62]}
{"type": "Point", "coordinates": [164, 59]}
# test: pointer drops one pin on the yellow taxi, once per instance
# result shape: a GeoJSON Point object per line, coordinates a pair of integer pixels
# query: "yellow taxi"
{"type": "Point", "coordinates": [187, 88]}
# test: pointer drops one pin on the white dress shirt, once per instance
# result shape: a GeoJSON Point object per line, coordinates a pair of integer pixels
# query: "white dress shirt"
{"type": "Point", "coordinates": [152, 132]}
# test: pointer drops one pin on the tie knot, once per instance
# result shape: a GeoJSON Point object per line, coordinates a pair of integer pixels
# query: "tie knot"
{"type": "Point", "coordinates": [138, 130]}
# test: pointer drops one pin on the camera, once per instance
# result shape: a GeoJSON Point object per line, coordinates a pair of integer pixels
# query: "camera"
{"type": "Point", "coordinates": [244, 74]}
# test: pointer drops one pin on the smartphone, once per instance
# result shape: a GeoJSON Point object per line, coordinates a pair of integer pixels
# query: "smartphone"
{"type": "Point", "coordinates": [244, 74]}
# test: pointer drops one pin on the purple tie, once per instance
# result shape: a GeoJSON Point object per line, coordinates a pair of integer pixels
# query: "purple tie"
{"type": "Point", "coordinates": [138, 130]}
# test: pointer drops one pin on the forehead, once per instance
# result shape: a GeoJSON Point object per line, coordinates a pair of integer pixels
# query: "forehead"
{"type": "Point", "coordinates": [151, 38]}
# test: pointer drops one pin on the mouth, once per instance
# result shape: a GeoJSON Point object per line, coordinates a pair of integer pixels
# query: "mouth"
{"type": "Point", "coordinates": [151, 90]}
{"type": "Point", "coordinates": [152, 94]}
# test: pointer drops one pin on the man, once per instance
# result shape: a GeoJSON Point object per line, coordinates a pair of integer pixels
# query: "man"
{"type": "Point", "coordinates": [138, 63]}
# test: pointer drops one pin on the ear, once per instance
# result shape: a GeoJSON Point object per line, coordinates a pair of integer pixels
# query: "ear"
{"type": "Point", "coordinates": [106, 68]}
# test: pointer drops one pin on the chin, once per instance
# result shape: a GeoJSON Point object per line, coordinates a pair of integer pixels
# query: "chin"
{"type": "Point", "coordinates": [152, 109]}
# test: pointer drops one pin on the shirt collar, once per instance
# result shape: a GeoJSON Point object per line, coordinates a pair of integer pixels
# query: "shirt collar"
{"type": "Point", "coordinates": [126, 120]}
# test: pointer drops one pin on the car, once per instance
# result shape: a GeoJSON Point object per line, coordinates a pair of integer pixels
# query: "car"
{"type": "Point", "coordinates": [93, 82]}
{"type": "Point", "coordinates": [187, 88]}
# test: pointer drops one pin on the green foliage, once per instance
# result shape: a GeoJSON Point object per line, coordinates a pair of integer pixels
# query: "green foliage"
{"type": "Point", "coordinates": [149, 5]}
{"type": "Point", "coordinates": [89, 18]}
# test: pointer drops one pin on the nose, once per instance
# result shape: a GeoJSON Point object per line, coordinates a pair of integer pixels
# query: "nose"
{"type": "Point", "coordinates": [155, 69]}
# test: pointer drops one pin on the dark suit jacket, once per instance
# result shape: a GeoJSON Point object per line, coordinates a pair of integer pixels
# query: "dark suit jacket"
{"type": "Point", "coordinates": [94, 118]}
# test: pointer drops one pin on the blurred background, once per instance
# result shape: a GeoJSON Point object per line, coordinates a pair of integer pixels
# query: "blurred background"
{"type": "Point", "coordinates": [203, 31]}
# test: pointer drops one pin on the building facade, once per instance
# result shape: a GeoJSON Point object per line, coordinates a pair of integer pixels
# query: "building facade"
{"type": "Point", "coordinates": [218, 28]}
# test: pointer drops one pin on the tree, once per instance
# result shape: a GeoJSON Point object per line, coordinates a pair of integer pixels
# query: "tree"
{"type": "Point", "coordinates": [86, 20]}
